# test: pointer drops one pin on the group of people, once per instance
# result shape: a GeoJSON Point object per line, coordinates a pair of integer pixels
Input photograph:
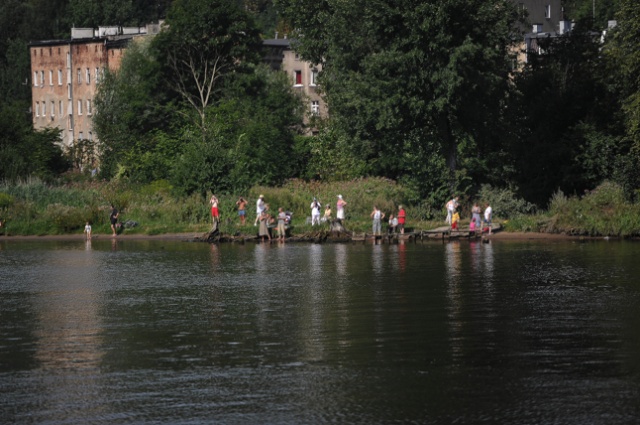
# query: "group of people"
{"type": "Point", "coordinates": [478, 221]}
{"type": "Point", "coordinates": [396, 223]}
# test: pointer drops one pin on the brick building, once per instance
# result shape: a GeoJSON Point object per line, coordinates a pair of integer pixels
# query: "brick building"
{"type": "Point", "coordinates": [65, 74]}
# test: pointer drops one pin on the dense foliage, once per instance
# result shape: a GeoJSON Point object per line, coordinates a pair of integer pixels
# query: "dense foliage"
{"type": "Point", "coordinates": [421, 92]}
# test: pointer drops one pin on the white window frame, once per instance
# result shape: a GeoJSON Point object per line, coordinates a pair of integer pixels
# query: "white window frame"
{"type": "Point", "coordinates": [296, 73]}
{"type": "Point", "coordinates": [60, 106]}
{"type": "Point", "coordinates": [35, 78]}
{"type": "Point", "coordinates": [314, 78]}
{"type": "Point", "coordinates": [37, 108]}
{"type": "Point", "coordinates": [88, 106]}
{"type": "Point", "coordinates": [51, 77]}
{"type": "Point", "coordinates": [79, 106]}
{"type": "Point", "coordinates": [547, 11]}
{"type": "Point", "coordinates": [53, 108]}
{"type": "Point", "coordinates": [88, 76]}
{"type": "Point", "coordinates": [315, 108]}
{"type": "Point", "coordinates": [42, 78]}
{"type": "Point", "coordinates": [59, 77]}
{"type": "Point", "coordinates": [79, 76]}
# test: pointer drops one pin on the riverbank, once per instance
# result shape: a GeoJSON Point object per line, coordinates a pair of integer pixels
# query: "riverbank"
{"type": "Point", "coordinates": [199, 237]}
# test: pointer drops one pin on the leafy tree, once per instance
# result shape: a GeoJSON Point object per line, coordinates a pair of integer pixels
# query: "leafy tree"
{"type": "Point", "coordinates": [24, 152]}
{"type": "Point", "coordinates": [404, 74]}
{"type": "Point", "coordinates": [566, 132]}
{"type": "Point", "coordinates": [130, 104]}
{"type": "Point", "coordinates": [205, 41]}
{"type": "Point", "coordinates": [622, 51]}
{"type": "Point", "coordinates": [250, 138]}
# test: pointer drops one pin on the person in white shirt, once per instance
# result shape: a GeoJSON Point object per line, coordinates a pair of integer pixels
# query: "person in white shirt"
{"type": "Point", "coordinates": [340, 208]}
{"type": "Point", "coordinates": [315, 212]}
{"type": "Point", "coordinates": [377, 217]}
{"type": "Point", "coordinates": [260, 204]}
{"type": "Point", "coordinates": [488, 213]}
{"type": "Point", "coordinates": [452, 205]}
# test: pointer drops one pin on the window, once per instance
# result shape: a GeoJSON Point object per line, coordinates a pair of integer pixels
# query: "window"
{"type": "Point", "coordinates": [97, 75]}
{"type": "Point", "coordinates": [50, 77]}
{"type": "Point", "coordinates": [53, 109]}
{"type": "Point", "coordinates": [68, 59]}
{"type": "Point", "coordinates": [88, 76]}
{"type": "Point", "coordinates": [81, 136]}
{"type": "Point", "coordinates": [315, 107]}
{"type": "Point", "coordinates": [37, 109]}
{"type": "Point", "coordinates": [297, 78]}
{"type": "Point", "coordinates": [70, 108]}
{"type": "Point", "coordinates": [44, 109]}
{"type": "Point", "coordinates": [60, 108]}
{"type": "Point", "coordinates": [35, 78]}
{"type": "Point", "coordinates": [41, 78]}
{"type": "Point", "coordinates": [68, 76]}
{"type": "Point", "coordinates": [69, 91]}
{"type": "Point", "coordinates": [547, 11]}
{"type": "Point", "coordinates": [79, 76]}
{"type": "Point", "coordinates": [79, 107]}
{"type": "Point", "coordinates": [314, 77]}
{"type": "Point", "coordinates": [59, 77]}
{"type": "Point", "coordinates": [88, 106]}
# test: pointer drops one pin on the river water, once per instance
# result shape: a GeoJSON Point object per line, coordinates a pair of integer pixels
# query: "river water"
{"type": "Point", "coordinates": [170, 332]}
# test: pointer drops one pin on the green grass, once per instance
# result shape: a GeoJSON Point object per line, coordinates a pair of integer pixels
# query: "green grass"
{"type": "Point", "coordinates": [34, 208]}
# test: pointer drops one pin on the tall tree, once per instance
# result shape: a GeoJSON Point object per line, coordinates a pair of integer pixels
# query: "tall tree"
{"type": "Point", "coordinates": [623, 53]}
{"type": "Point", "coordinates": [203, 42]}
{"type": "Point", "coordinates": [408, 74]}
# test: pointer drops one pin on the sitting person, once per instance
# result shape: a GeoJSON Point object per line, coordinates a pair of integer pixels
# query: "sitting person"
{"type": "Point", "coordinates": [327, 214]}
{"type": "Point", "coordinates": [393, 224]}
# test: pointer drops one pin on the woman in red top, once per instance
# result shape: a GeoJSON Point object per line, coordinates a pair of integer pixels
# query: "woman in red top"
{"type": "Point", "coordinates": [401, 219]}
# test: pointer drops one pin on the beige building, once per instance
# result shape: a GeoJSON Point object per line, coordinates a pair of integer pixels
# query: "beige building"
{"type": "Point", "coordinates": [65, 74]}
{"type": "Point", "coordinates": [303, 75]}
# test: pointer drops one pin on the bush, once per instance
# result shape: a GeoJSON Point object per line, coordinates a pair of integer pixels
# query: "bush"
{"type": "Point", "coordinates": [505, 202]}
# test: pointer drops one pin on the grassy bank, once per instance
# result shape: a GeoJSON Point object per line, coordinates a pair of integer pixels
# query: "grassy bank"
{"type": "Point", "coordinates": [35, 208]}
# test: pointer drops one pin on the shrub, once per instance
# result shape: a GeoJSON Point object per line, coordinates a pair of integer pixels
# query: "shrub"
{"type": "Point", "coordinates": [505, 202]}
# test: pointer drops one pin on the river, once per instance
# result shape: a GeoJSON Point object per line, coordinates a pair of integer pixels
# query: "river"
{"type": "Point", "coordinates": [170, 332]}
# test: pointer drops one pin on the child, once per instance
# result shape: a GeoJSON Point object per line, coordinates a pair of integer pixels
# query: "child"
{"type": "Point", "coordinates": [454, 221]}
{"type": "Point", "coordinates": [393, 224]}
{"type": "Point", "coordinates": [87, 230]}
{"type": "Point", "coordinates": [472, 225]}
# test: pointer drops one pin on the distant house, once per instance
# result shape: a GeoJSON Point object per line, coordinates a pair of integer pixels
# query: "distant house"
{"type": "Point", "coordinates": [65, 74]}
{"type": "Point", "coordinates": [303, 75]}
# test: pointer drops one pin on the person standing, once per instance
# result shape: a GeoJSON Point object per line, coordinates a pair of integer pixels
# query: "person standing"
{"type": "Point", "coordinates": [242, 205]}
{"type": "Point", "coordinates": [377, 217]}
{"type": "Point", "coordinates": [215, 213]}
{"type": "Point", "coordinates": [315, 212]}
{"type": "Point", "coordinates": [282, 221]}
{"type": "Point", "coordinates": [488, 215]}
{"type": "Point", "coordinates": [87, 231]}
{"type": "Point", "coordinates": [475, 213]}
{"type": "Point", "coordinates": [263, 230]}
{"type": "Point", "coordinates": [452, 205]}
{"type": "Point", "coordinates": [340, 208]}
{"type": "Point", "coordinates": [402, 215]}
{"type": "Point", "coordinates": [260, 204]}
{"type": "Point", "coordinates": [113, 218]}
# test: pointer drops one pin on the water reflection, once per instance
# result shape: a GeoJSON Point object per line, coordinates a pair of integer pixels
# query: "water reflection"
{"type": "Point", "coordinates": [302, 333]}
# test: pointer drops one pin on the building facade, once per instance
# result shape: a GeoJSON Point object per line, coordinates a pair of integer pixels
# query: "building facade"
{"type": "Point", "coordinates": [65, 74]}
{"type": "Point", "coordinates": [303, 75]}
